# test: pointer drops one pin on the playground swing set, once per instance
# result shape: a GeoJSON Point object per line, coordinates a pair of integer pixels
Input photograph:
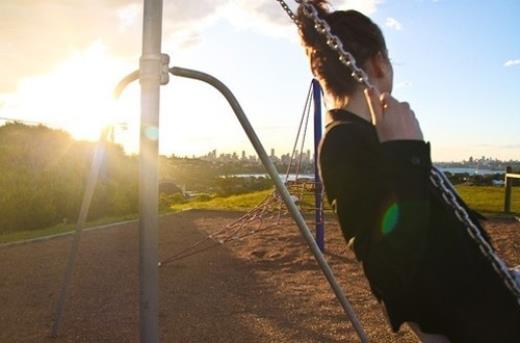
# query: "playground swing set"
{"type": "Point", "coordinates": [153, 72]}
{"type": "Point", "coordinates": [306, 192]}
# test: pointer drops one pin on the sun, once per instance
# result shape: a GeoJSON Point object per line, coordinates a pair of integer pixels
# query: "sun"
{"type": "Point", "coordinates": [75, 96]}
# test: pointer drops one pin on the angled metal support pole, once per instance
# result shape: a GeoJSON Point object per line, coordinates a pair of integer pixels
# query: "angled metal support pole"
{"type": "Point", "coordinates": [286, 197]}
{"type": "Point", "coordinates": [97, 160]}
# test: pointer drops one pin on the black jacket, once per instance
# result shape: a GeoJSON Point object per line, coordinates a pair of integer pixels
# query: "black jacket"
{"type": "Point", "coordinates": [418, 258]}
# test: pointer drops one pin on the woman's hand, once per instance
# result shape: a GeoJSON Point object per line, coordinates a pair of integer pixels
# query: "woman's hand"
{"type": "Point", "coordinates": [393, 120]}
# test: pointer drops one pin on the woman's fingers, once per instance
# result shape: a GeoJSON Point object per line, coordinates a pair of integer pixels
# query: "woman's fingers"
{"type": "Point", "coordinates": [393, 120]}
{"type": "Point", "coordinates": [375, 105]}
{"type": "Point", "coordinates": [397, 121]}
{"type": "Point", "coordinates": [388, 101]}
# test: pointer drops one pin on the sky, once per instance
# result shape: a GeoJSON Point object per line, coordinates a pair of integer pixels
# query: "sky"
{"type": "Point", "coordinates": [457, 62]}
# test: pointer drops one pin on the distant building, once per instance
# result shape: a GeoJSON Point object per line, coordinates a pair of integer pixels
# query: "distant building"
{"type": "Point", "coordinates": [498, 182]}
{"type": "Point", "coordinates": [285, 158]}
{"type": "Point", "coordinates": [170, 188]}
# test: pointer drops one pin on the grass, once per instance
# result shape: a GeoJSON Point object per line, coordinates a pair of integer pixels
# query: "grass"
{"type": "Point", "coordinates": [487, 200]}
{"type": "Point", "coordinates": [241, 202]}
{"type": "Point", "coordinates": [59, 229]}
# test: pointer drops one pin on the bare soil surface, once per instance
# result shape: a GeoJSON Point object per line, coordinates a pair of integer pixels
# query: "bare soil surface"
{"type": "Point", "coordinates": [265, 288]}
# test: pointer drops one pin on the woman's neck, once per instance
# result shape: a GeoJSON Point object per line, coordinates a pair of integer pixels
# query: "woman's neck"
{"type": "Point", "coordinates": [357, 104]}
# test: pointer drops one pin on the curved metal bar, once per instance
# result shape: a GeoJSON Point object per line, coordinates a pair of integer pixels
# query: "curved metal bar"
{"type": "Point", "coordinates": [128, 79]}
{"type": "Point", "coordinates": [269, 166]}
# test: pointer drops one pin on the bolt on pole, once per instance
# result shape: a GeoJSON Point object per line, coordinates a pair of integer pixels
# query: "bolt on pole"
{"type": "Point", "coordinates": [150, 79]}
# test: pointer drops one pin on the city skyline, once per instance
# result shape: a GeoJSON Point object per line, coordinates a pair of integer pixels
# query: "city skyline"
{"type": "Point", "coordinates": [309, 156]}
{"type": "Point", "coordinates": [250, 154]}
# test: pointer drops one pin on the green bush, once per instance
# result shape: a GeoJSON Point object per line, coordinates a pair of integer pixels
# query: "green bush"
{"type": "Point", "coordinates": [167, 200]}
{"type": "Point", "coordinates": [203, 197]}
{"type": "Point", "coordinates": [43, 176]}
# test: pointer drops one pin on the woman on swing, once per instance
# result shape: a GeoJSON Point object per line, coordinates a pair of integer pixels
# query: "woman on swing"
{"type": "Point", "coordinates": [421, 264]}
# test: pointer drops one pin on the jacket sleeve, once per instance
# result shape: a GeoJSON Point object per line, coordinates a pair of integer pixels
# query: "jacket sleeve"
{"type": "Point", "coordinates": [381, 196]}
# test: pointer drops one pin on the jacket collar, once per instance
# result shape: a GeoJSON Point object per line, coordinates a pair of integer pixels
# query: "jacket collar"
{"type": "Point", "coordinates": [344, 115]}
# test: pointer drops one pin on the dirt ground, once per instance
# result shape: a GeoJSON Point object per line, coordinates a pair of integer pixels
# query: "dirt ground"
{"type": "Point", "coordinates": [266, 288]}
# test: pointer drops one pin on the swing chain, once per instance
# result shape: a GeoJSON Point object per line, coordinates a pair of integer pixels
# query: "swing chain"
{"type": "Point", "coordinates": [448, 195]}
{"type": "Point", "coordinates": [289, 12]}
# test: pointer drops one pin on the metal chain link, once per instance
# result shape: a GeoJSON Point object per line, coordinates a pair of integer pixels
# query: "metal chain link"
{"type": "Point", "coordinates": [438, 179]}
{"type": "Point", "coordinates": [289, 12]}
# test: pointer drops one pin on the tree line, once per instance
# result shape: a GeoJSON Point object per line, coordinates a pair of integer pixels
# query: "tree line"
{"type": "Point", "coordinates": [43, 175]}
{"type": "Point", "coordinates": [477, 179]}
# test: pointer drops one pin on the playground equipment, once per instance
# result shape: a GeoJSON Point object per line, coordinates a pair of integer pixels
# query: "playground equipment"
{"type": "Point", "coordinates": [153, 72]}
{"type": "Point", "coordinates": [306, 192]}
{"type": "Point", "coordinates": [508, 188]}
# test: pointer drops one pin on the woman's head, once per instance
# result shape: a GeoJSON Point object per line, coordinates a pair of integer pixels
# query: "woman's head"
{"type": "Point", "coordinates": [359, 35]}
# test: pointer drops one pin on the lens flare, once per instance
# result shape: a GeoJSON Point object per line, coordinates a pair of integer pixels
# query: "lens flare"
{"type": "Point", "coordinates": [390, 219]}
{"type": "Point", "coordinates": [152, 133]}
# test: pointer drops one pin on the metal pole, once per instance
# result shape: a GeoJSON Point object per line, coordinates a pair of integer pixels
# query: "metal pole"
{"type": "Point", "coordinates": [508, 187]}
{"type": "Point", "coordinates": [318, 204]}
{"type": "Point", "coordinates": [150, 79]}
{"type": "Point", "coordinates": [284, 193]}
{"type": "Point", "coordinates": [97, 160]}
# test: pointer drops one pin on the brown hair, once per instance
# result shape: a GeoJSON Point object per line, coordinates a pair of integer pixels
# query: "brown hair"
{"type": "Point", "coordinates": [360, 36]}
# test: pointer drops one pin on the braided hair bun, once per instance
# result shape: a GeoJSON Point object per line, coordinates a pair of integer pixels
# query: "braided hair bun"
{"type": "Point", "coordinates": [360, 36]}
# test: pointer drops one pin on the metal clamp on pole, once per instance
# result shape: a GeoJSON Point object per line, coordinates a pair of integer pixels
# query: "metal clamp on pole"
{"type": "Point", "coordinates": [165, 69]}
{"type": "Point", "coordinates": [155, 67]}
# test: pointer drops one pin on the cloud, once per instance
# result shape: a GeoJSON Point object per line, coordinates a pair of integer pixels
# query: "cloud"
{"type": "Point", "coordinates": [365, 6]}
{"type": "Point", "coordinates": [404, 84]}
{"type": "Point", "coordinates": [393, 24]}
{"type": "Point", "coordinates": [511, 63]}
{"type": "Point", "coordinates": [262, 16]}
{"type": "Point", "coordinates": [128, 16]}
{"type": "Point", "coordinates": [500, 146]}
{"type": "Point", "coordinates": [38, 35]}
{"type": "Point", "coordinates": [267, 17]}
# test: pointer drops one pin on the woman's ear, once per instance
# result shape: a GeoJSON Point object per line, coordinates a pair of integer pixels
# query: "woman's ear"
{"type": "Point", "coordinates": [379, 65]}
